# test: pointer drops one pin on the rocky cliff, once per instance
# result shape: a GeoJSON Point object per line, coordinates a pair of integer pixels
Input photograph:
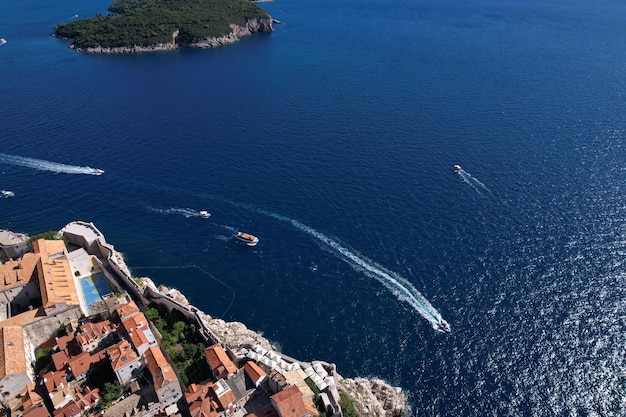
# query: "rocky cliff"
{"type": "Point", "coordinates": [237, 32]}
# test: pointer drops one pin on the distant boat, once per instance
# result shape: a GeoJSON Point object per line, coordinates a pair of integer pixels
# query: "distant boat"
{"type": "Point", "coordinates": [247, 238]}
{"type": "Point", "coordinates": [204, 214]}
{"type": "Point", "coordinates": [7, 193]}
{"type": "Point", "coordinates": [457, 168]}
{"type": "Point", "coordinates": [442, 326]}
{"type": "Point", "coordinates": [2, 41]}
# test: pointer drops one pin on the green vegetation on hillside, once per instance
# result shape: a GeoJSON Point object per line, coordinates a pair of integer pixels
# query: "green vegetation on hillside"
{"type": "Point", "coordinates": [182, 343]}
{"type": "Point", "coordinates": [152, 22]}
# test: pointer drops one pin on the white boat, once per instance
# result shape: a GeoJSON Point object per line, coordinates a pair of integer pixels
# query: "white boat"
{"type": "Point", "coordinates": [442, 326]}
{"type": "Point", "coordinates": [2, 41]}
{"type": "Point", "coordinates": [7, 193]}
{"type": "Point", "coordinates": [457, 168]}
{"type": "Point", "coordinates": [247, 238]}
{"type": "Point", "coordinates": [204, 214]}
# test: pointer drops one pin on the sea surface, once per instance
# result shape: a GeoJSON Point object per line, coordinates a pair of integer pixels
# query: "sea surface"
{"type": "Point", "coordinates": [333, 140]}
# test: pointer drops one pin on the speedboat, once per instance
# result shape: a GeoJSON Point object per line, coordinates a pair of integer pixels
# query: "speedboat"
{"type": "Point", "coordinates": [204, 214]}
{"type": "Point", "coordinates": [457, 168]}
{"type": "Point", "coordinates": [7, 193]}
{"type": "Point", "coordinates": [442, 326]}
{"type": "Point", "coordinates": [247, 238]}
{"type": "Point", "coordinates": [2, 41]}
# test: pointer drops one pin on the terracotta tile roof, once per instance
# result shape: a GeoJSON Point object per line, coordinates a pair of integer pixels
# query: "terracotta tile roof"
{"type": "Point", "coordinates": [254, 372]}
{"type": "Point", "coordinates": [135, 327]}
{"type": "Point", "coordinates": [30, 397]}
{"type": "Point", "coordinates": [81, 363]}
{"type": "Point", "coordinates": [162, 372]}
{"type": "Point", "coordinates": [69, 410]}
{"type": "Point", "coordinates": [12, 358]}
{"type": "Point", "coordinates": [219, 362]}
{"type": "Point", "coordinates": [289, 402]}
{"type": "Point", "coordinates": [94, 332]}
{"type": "Point", "coordinates": [63, 341]}
{"type": "Point", "coordinates": [59, 359]}
{"type": "Point", "coordinates": [201, 400]}
{"type": "Point", "coordinates": [38, 411]}
{"type": "Point", "coordinates": [127, 310]}
{"type": "Point", "coordinates": [56, 281]}
{"type": "Point", "coordinates": [121, 354]}
{"type": "Point", "coordinates": [88, 398]}
{"type": "Point", "coordinates": [16, 273]}
{"type": "Point", "coordinates": [54, 379]}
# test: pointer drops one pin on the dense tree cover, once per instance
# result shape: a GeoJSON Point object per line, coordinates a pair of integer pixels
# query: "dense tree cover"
{"type": "Point", "coordinates": [151, 22]}
{"type": "Point", "coordinates": [182, 343]}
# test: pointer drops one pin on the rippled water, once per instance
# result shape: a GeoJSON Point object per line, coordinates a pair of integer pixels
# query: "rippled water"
{"type": "Point", "coordinates": [333, 140]}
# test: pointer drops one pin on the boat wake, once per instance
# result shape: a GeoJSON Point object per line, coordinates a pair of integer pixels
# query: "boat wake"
{"type": "Point", "coordinates": [401, 288]}
{"type": "Point", "coordinates": [187, 212]}
{"type": "Point", "coordinates": [43, 165]}
{"type": "Point", "coordinates": [472, 181]}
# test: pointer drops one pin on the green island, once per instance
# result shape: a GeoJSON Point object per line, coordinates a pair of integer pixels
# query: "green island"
{"type": "Point", "coordinates": [149, 23]}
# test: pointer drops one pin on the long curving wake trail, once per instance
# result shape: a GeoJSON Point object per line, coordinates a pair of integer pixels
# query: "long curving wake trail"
{"type": "Point", "coordinates": [44, 165]}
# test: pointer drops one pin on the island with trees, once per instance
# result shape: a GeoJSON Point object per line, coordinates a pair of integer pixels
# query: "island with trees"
{"type": "Point", "coordinates": [154, 25]}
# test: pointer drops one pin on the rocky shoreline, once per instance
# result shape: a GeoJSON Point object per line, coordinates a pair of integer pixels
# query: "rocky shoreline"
{"type": "Point", "coordinates": [236, 34]}
{"type": "Point", "coordinates": [372, 397]}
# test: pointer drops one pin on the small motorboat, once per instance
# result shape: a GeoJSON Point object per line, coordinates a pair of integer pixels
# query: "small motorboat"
{"type": "Point", "coordinates": [442, 326]}
{"type": "Point", "coordinates": [457, 168]}
{"type": "Point", "coordinates": [247, 238]}
{"type": "Point", "coordinates": [7, 193]}
{"type": "Point", "coordinates": [204, 214]}
{"type": "Point", "coordinates": [2, 41]}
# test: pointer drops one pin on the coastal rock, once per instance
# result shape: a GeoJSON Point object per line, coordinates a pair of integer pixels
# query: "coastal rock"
{"type": "Point", "coordinates": [234, 333]}
{"type": "Point", "coordinates": [238, 32]}
{"type": "Point", "coordinates": [375, 398]}
{"type": "Point", "coordinates": [127, 49]}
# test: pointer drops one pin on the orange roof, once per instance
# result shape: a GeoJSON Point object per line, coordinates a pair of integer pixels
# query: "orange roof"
{"type": "Point", "coordinates": [289, 402]}
{"type": "Point", "coordinates": [121, 354]}
{"type": "Point", "coordinates": [53, 380]}
{"type": "Point", "coordinates": [226, 398]}
{"type": "Point", "coordinates": [161, 370]}
{"type": "Point", "coordinates": [218, 360]}
{"type": "Point", "coordinates": [254, 371]}
{"type": "Point", "coordinates": [90, 332]}
{"type": "Point", "coordinates": [38, 411]}
{"type": "Point", "coordinates": [20, 272]}
{"type": "Point", "coordinates": [81, 363]}
{"type": "Point", "coordinates": [69, 410]}
{"type": "Point", "coordinates": [59, 359]}
{"type": "Point", "coordinates": [88, 398]}
{"type": "Point", "coordinates": [56, 281]}
{"type": "Point", "coordinates": [12, 358]}
{"type": "Point", "coordinates": [127, 310]}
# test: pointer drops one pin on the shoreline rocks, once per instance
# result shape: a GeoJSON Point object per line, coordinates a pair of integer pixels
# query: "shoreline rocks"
{"type": "Point", "coordinates": [372, 397]}
{"type": "Point", "coordinates": [236, 34]}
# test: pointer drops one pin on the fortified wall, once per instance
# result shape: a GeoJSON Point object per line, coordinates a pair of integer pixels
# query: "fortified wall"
{"type": "Point", "coordinates": [374, 397]}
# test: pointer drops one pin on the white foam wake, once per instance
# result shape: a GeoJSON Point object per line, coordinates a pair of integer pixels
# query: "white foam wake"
{"type": "Point", "coordinates": [398, 285]}
{"type": "Point", "coordinates": [472, 181]}
{"type": "Point", "coordinates": [187, 212]}
{"type": "Point", "coordinates": [43, 165]}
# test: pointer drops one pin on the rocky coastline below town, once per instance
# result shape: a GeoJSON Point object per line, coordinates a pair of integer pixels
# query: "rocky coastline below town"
{"type": "Point", "coordinates": [372, 397]}
{"type": "Point", "coordinates": [237, 33]}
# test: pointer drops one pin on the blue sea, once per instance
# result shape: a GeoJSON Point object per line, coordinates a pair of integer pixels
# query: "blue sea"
{"type": "Point", "coordinates": [333, 140]}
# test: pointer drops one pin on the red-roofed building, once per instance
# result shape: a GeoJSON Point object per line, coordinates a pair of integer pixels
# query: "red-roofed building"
{"type": "Point", "coordinates": [289, 403]}
{"type": "Point", "coordinates": [57, 387]}
{"type": "Point", "coordinates": [124, 361]}
{"type": "Point", "coordinates": [92, 336]}
{"type": "Point", "coordinates": [127, 310]}
{"type": "Point", "coordinates": [201, 401]}
{"type": "Point", "coordinates": [165, 381]}
{"type": "Point", "coordinates": [71, 409]}
{"type": "Point", "coordinates": [59, 360]}
{"type": "Point", "coordinates": [80, 365]}
{"type": "Point", "coordinates": [255, 373]}
{"type": "Point", "coordinates": [225, 397]}
{"type": "Point", "coordinates": [138, 330]}
{"type": "Point", "coordinates": [219, 362]}
{"type": "Point", "coordinates": [87, 399]}
{"type": "Point", "coordinates": [37, 411]}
